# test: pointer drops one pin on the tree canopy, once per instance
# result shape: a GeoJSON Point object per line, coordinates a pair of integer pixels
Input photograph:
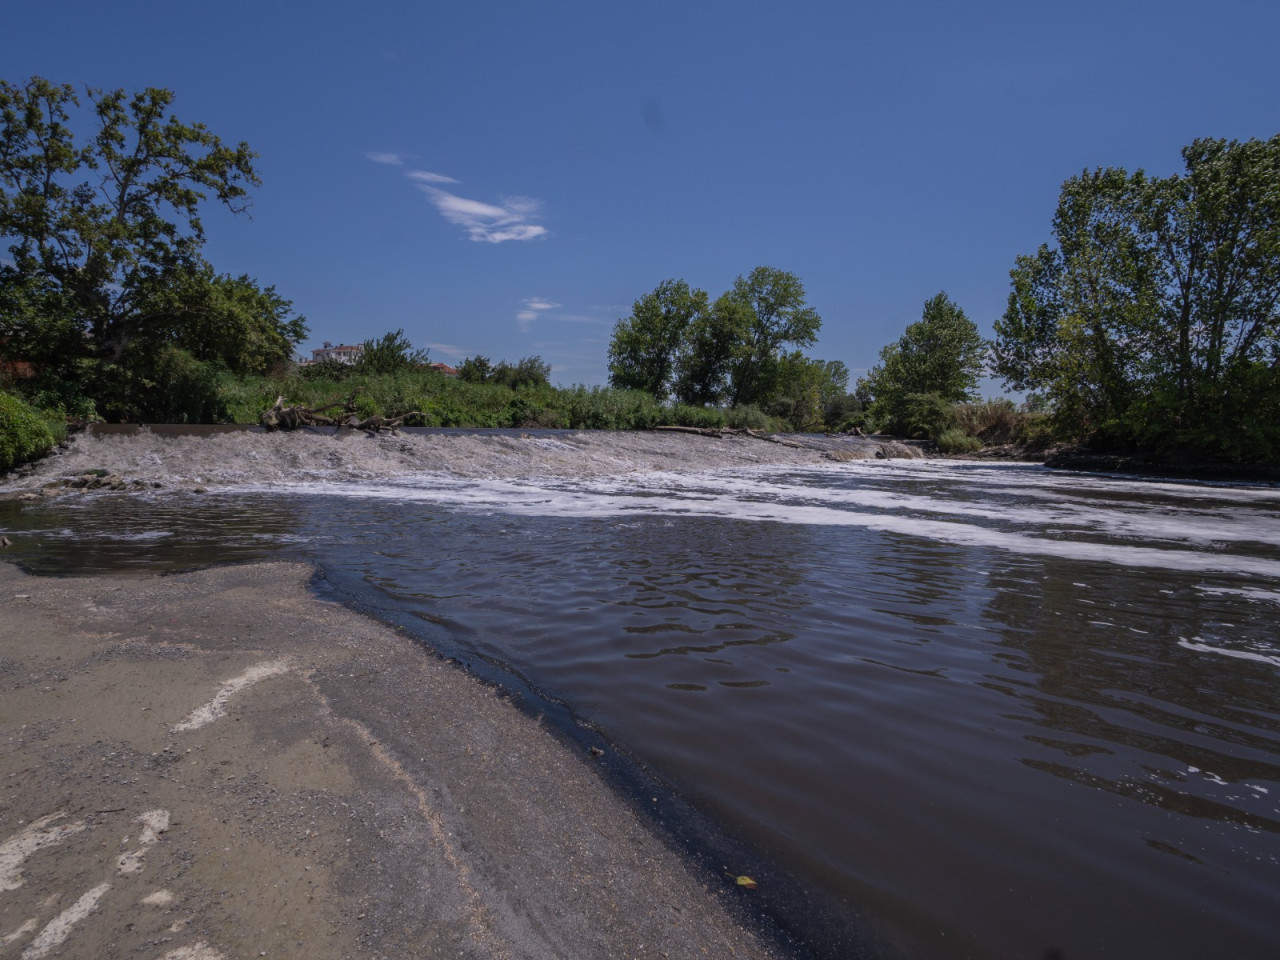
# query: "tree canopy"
{"type": "Point", "coordinates": [732, 350]}
{"type": "Point", "coordinates": [1155, 320]}
{"type": "Point", "coordinates": [105, 233]}
{"type": "Point", "coordinates": [941, 355]}
{"type": "Point", "coordinates": [645, 346]}
{"type": "Point", "coordinates": [772, 304]}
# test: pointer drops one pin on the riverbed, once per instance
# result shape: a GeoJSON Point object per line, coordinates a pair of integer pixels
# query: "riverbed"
{"type": "Point", "coordinates": [955, 709]}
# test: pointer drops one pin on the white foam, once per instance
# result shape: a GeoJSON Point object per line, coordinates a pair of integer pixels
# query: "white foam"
{"type": "Point", "coordinates": [1228, 652]}
{"type": "Point", "coordinates": [742, 495]}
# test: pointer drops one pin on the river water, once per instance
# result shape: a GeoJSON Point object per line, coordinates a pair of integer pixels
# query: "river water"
{"type": "Point", "coordinates": [953, 709]}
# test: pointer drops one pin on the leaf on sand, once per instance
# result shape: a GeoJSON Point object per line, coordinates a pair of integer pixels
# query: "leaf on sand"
{"type": "Point", "coordinates": [745, 882]}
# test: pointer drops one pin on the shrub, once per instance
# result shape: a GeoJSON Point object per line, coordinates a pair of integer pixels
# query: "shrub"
{"type": "Point", "coordinates": [24, 433]}
{"type": "Point", "coordinates": [748, 417]}
{"type": "Point", "coordinates": [390, 353]}
{"type": "Point", "coordinates": [955, 440]}
{"type": "Point", "coordinates": [991, 421]}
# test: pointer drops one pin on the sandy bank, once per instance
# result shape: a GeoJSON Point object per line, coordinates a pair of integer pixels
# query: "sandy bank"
{"type": "Point", "coordinates": [219, 765]}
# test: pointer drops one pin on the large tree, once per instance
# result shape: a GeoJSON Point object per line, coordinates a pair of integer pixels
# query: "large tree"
{"type": "Point", "coordinates": [645, 345]}
{"type": "Point", "coordinates": [941, 354]}
{"type": "Point", "coordinates": [109, 221]}
{"type": "Point", "coordinates": [1155, 320]}
{"type": "Point", "coordinates": [776, 315]}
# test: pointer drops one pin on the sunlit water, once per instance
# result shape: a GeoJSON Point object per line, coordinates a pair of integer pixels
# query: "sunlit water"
{"type": "Point", "coordinates": [988, 711]}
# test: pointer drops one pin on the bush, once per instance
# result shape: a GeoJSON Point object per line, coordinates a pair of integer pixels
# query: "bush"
{"type": "Point", "coordinates": [748, 417]}
{"type": "Point", "coordinates": [25, 434]}
{"type": "Point", "coordinates": [991, 421]}
{"type": "Point", "coordinates": [955, 440]}
{"type": "Point", "coordinates": [390, 353]}
{"type": "Point", "coordinates": [920, 416]}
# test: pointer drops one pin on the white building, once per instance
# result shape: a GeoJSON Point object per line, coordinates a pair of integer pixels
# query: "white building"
{"type": "Point", "coordinates": [343, 352]}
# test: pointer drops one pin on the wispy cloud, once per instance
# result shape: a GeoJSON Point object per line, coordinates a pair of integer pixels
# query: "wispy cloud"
{"type": "Point", "coordinates": [513, 218]}
{"type": "Point", "coordinates": [426, 176]}
{"type": "Point", "coordinates": [487, 222]}
{"type": "Point", "coordinates": [532, 307]}
{"type": "Point", "coordinates": [447, 349]}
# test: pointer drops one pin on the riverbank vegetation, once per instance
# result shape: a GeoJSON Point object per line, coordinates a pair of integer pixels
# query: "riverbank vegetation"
{"type": "Point", "coordinates": [1151, 325]}
{"type": "Point", "coordinates": [26, 433]}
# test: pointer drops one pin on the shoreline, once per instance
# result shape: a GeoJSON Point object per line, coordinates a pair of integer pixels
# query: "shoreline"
{"type": "Point", "coordinates": [294, 779]}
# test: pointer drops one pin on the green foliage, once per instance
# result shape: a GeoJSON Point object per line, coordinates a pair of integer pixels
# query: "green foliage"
{"type": "Point", "coordinates": [167, 385]}
{"type": "Point", "coordinates": [101, 222]}
{"type": "Point", "coordinates": [220, 319]}
{"type": "Point", "coordinates": [390, 353]}
{"type": "Point", "coordinates": [955, 440]}
{"type": "Point", "coordinates": [645, 346]}
{"type": "Point", "coordinates": [1153, 323]}
{"type": "Point", "coordinates": [527, 373]}
{"type": "Point", "coordinates": [749, 417]}
{"type": "Point", "coordinates": [330, 369]}
{"type": "Point", "coordinates": [108, 297]}
{"type": "Point", "coordinates": [776, 315]}
{"type": "Point", "coordinates": [475, 369]}
{"type": "Point", "coordinates": [730, 351]}
{"type": "Point", "coordinates": [24, 433]}
{"type": "Point", "coordinates": [712, 342]}
{"type": "Point", "coordinates": [922, 376]}
{"type": "Point", "coordinates": [941, 355]}
{"type": "Point", "coordinates": [991, 421]}
{"type": "Point", "coordinates": [807, 392]}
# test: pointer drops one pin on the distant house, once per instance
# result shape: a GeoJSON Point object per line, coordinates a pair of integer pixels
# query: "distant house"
{"type": "Point", "coordinates": [11, 370]}
{"type": "Point", "coordinates": [444, 368]}
{"type": "Point", "coordinates": [342, 353]}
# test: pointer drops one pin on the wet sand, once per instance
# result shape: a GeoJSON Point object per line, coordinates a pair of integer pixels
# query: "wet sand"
{"type": "Point", "coordinates": [220, 765]}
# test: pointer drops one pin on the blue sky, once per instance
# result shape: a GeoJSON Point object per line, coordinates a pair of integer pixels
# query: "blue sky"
{"type": "Point", "coordinates": [507, 178]}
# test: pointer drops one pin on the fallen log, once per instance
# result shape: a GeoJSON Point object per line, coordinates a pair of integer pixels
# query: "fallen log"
{"type": "Point", "coordinates": [280, 417]}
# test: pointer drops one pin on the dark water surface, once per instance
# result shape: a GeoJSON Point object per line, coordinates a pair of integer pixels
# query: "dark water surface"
{"type": "Point", "coordinates": [993, 711]}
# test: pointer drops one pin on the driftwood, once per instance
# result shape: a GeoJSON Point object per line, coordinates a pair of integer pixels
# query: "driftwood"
{"type": "Point", "coordinates": [721, 432]}
{"type": "Point", "coordinates": [280, 417]}
{"type": "Point", "coordinates": [705, 431]}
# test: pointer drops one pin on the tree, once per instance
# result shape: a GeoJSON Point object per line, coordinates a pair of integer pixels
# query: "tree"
{"type": "Point", "coordinates": [809, 392]}
{"type": "Point", "coordinates": [645, 345]}
{"type": "Point", "coordinates": [390, 353]}
{"type": "Point", "coordinates": [475, 369]}
{"type": "Point", "coordinates": [1155, 321]}
{"type": "Point", "coordinates": [711, 344]}
{"type": "Point", "coordinates": [109, 221]}
{"type": "Point", "coordinates": [941, 354]}
{"type": "Point", "coordinates": [526, 372]}
{"type": "Point", "coordinates": [220, 319]}
{"type": "Point", "coordinates": [776, 316]}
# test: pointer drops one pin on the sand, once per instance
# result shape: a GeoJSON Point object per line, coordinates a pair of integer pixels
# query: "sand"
{"type": "Point", "coordinates": [220, 765]}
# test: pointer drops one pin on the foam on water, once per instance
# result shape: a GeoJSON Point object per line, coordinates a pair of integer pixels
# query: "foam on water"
{"type": "Point", "coordinates": [1019, 508]}
{"type": "Point", "coordinates": [1195, 644]}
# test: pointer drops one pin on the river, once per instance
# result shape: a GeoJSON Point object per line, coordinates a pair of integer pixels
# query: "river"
{"type": "Point", "coordinates": [941, 709]}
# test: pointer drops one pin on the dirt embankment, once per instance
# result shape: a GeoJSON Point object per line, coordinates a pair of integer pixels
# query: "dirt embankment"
{"type": "Point", "coordinates": [217, 766]}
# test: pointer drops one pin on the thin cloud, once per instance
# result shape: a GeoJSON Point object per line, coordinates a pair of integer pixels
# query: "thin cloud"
{"type": "Point", "coordinates": [487, 222]}
{"type": "Point", "coordinates": [515, 218]}
{"type": "Point", "coordinates": [426, 176]}
{"type": "Point", "coordinates": [532, 307]}
{"type": "Point", "coordinates": [448, 349]}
